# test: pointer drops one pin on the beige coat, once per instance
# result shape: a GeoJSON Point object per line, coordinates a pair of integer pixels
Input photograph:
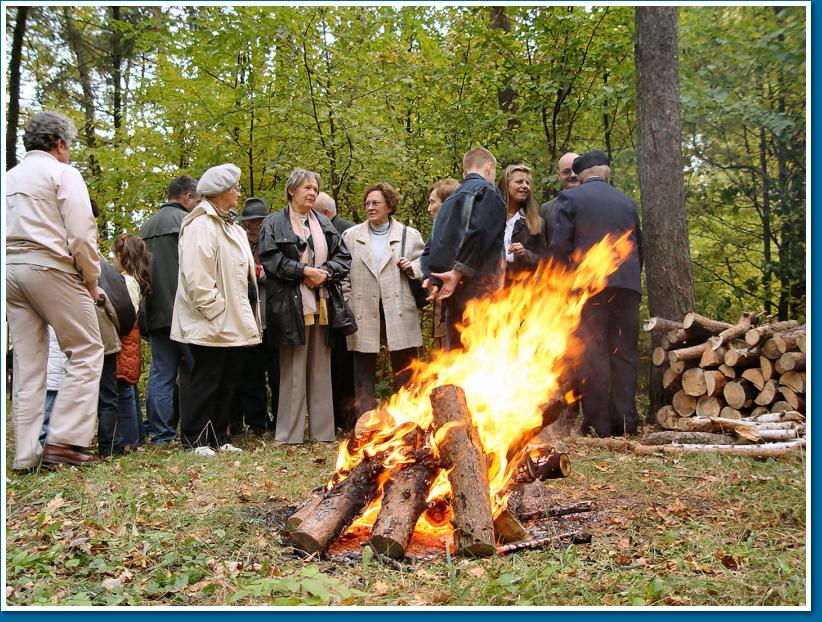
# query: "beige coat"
{"type": "Point", "coordinates": [369, 283]}
{"type": "Point", "coordinates": [211, 307]}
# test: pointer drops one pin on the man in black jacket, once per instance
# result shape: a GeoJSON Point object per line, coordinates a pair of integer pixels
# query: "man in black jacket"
{"type": "Point", "coordinates": [342, 361]}
{"type": "Point", "coordinates": [161, 233]}
{"type": "Point", "coordinates": [609, 326]}
{"type": "Point", "coordinates": [464, 257]}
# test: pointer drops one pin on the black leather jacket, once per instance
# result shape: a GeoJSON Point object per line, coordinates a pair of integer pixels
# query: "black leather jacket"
{"type": "Point", "coordinates": [280, 250]}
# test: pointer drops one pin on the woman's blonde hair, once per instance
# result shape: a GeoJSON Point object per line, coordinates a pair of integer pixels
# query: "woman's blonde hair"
{"type": "Point", "coordinates": [532, 218]}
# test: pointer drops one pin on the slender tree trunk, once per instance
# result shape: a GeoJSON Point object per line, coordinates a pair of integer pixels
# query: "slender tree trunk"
{"type": "Point", "coordinates": [116, 72]}
{"type": "Point", "coordinates": [659, 163]}
{"type": "Point", "coordinates": [767, 271]}
{"type": "Point", "coordinates": [506, 95]}
{"type": "Point", "coordinates": [14, 85]}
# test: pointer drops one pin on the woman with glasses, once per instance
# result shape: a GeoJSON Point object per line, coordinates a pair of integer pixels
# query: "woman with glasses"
{"type": "Point", "coordinates": [303, 256]}
{"type": "Point", "coordinates": [215, 310]}
{"type": "Point", "coordinates": [526, 233]}
{"type": "Point", "coordinates": [380, 294]}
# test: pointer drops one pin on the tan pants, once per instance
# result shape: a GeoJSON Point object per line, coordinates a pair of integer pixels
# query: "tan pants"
{"type": "Point", "coordinates": [36, 297]}
{"type": "Point", "coordinates": [305, 380]}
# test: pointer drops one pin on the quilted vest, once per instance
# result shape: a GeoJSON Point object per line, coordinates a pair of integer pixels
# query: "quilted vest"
{"type": "Point", "coordinates": [129, 359]}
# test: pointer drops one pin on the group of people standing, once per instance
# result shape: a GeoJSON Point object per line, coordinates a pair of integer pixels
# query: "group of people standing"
{"type": "Point", "coordinates": [295, 304]}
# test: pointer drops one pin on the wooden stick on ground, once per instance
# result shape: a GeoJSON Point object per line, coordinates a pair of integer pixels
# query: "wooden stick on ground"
{"type": "Point", "coordinates": [463, 455]}
{"type": "Point", "coordinates": [541, 543]}
{"type": "Point", "coordinates": [769, 450]}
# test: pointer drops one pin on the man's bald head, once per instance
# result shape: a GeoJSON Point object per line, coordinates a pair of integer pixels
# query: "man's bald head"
{"type": "Point", "coordinates": [325, 205]}
{"type": "Point", "coordinates": [567, 177]}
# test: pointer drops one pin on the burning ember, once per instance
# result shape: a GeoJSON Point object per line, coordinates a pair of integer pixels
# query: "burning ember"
{"type": "Point", "coordinates": [516, 345]}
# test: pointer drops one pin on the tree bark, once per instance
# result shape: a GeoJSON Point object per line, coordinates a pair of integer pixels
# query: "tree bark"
{"type": "Point", "coordinates": [666, 251]}
{"type": "Point", "coordinates": [14, 85]}
{"type": "Point", "coordinates": [402, 504]}
{"type": "Point", "coordinates": [463, 455]}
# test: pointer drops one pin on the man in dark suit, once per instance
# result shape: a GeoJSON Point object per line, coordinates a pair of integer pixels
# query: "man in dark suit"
{"type": "Point", "coordinates": [342, 361]}
{"type": "Point", "coordinates": [609, 326]}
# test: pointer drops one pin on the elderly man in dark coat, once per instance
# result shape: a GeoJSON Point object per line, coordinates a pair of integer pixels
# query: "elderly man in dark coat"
{"type": "Point", "coordinates": [161, 233]}
{"type": "Point", "coordinates": [610, 320]}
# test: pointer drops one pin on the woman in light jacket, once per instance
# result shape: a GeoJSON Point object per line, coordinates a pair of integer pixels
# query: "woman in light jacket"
{"type": "Point", "coordinates": [215, 310]}
{"type": "Point", "coordinates": [379, 293]}
{"type": "Point", "coordinates": [303, 256]}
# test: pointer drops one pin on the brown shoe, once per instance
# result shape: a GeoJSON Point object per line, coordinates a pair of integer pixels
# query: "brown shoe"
{"type": "Point", "coordinates": [58, 453]}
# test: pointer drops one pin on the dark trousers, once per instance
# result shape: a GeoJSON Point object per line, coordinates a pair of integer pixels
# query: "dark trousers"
{"type": "Point", "coordinates": [108, 409]}
{"type": "Point", "coordinates": [456, 303]}
{"type": "Point", "coordinates": [365, 372]}
{"type": "Point", "coordinates": [207, 393]}
{"type": "Point", "coordinates": [260, 374]}
{"type": "Point", "coordinates": [342, 383]}
{"type": "Point", "coordinates": [609, 328]}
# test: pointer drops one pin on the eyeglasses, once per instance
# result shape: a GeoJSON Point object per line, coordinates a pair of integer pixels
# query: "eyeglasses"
{"type": "Point", "coordinates": [374, 203]}
{"type": "Point", "coordinates": [238, 188]}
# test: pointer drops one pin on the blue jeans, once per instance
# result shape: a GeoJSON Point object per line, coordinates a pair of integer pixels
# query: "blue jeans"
{"type": "Point", "coordinates": [167, 357]}
{"type": "Point", "coordinates": [129, 421]}
{"type": "Point", "coordinates": [50, 397]}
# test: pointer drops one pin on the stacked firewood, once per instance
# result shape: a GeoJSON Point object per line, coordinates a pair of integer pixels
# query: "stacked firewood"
{"type": "Point", "coordinates": [737, 371]}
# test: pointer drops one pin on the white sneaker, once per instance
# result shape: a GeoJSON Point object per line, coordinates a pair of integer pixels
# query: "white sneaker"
{"type": "Point", "coordinates": [231, 448]}
{"type": "Point", "coordinates": [204, 450]}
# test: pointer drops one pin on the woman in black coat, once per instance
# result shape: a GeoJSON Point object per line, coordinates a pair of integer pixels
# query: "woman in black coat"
{"type": "Point", "coordinates": [527, 235]}
{"type": "Point", "coordinates": [304, 257]}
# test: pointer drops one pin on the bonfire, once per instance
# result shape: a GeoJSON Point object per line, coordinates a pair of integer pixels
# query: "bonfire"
{"type": "Point", "coordinates": [440, 456]}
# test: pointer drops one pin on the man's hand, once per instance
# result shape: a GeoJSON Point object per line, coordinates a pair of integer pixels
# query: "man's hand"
{"type": "Point", "coordinates": [92, 291]}
{"type": "Point", "coordinates": [517, 249]}
{"type": "Point", "coordinates": [450, 281]}
{"type": "Point", "coordinates": [433, 290]}
{"type": "Point", "coordinates": [314, 277]}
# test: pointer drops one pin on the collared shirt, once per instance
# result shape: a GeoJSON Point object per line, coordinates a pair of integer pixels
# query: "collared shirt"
{"type": "Point", "coordinates": [509, 231]}
{"type": "Point", "coordinates": [48, 217]}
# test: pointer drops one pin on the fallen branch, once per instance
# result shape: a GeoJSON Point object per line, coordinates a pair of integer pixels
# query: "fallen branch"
{"type": "Point", "coordinates": [769, 450]}
{"type": "Point", "coordinates": [541, 543]}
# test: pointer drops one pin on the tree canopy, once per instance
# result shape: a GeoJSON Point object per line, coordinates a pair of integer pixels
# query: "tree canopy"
{"type": "Point", "coordinates": [362, 94]}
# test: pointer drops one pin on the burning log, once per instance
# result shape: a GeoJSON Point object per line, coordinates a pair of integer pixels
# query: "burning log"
{"type": "Point", "coordinates": [304, 511]}
{"type": "Point", "coordinates": [540, 463]}
{"type": "Point", "coordinates": [339, 507]}
{"type": "Point", "coordinates": [402, 504]}
{"type": "Point", "coordinates": [462, 454]}
{"type": "Point", "coordinates": [438, 512]}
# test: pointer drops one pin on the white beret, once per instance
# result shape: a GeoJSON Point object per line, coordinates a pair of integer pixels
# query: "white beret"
{"type": "Point", "coordinates": [218, 179]}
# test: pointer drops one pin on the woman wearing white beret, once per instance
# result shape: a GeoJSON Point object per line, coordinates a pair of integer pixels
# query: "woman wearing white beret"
{"type": "Point", "coordinates": [215, 310]}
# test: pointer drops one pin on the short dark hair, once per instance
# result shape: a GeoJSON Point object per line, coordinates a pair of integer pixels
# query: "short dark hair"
{"type": "Point", "coordinates": [181, 186]}
{"type": "Point", "coordinates": [44, 129]}
{"type": "Point", "coordinates": [392, 199]}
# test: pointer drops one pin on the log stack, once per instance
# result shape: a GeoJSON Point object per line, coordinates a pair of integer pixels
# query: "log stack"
{"type": "Point", "coordinates": [715, 369]}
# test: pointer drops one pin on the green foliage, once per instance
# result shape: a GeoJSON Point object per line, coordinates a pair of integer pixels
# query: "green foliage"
{"type": "Point", "coordinates": [362, 94]}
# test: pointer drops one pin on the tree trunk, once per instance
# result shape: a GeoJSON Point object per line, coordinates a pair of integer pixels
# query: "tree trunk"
{"type": "Point", "coordinates": [659, 165]}
{"type": "Point", "coordinates": [14, 85]}
{"type": "Point", "coordinates": [506, 95]}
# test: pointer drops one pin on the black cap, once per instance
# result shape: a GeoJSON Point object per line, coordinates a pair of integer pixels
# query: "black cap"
{"type": "Point", "coordinates": [587, 160]}
{"type": "Point", "coordinates": [253, 208]}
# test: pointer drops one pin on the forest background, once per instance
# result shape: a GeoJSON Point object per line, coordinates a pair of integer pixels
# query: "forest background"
{"type": "Point", "coordinates": [362, 94]}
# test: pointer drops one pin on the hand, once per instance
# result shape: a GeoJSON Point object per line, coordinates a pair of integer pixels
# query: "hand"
{"type": "Point", "coordinates": [92, 291]}
{"type": "Point", "coordinates": [433, 290]}
{"type": "Point", "coordinates": [450, 281]}
{"type": "Point", "coordinates": [314, 277]}
{"type": "Point", "coordinates": [517, 249]}
{"type": "Point", "coordinates": [405, 265]}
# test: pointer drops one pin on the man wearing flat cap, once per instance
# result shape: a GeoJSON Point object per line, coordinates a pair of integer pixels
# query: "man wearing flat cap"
{"type": "Point", "coordinates": [609, 326]}
{"type": "Point", "coordinates": [261, 360]}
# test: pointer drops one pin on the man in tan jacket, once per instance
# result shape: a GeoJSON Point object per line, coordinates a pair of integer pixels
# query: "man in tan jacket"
{"type": "Point", "coordinates": [51, 279]}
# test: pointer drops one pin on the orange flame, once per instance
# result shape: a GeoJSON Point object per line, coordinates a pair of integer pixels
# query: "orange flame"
{"type": "Point", "coordinates": [514, 347]}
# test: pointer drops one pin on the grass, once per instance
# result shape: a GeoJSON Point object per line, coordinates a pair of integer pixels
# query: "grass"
{"type": "Point", "coordinates": [162, 526]}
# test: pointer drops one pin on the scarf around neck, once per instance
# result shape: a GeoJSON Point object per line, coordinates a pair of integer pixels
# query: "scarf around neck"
{"type": "Point", "coordinates": [314, 258]}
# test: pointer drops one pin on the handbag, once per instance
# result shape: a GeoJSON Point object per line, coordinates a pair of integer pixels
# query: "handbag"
{"type": "Point", "coordinates": [419, 293]}
{"type": "Point", "coordinates": [341, 318]}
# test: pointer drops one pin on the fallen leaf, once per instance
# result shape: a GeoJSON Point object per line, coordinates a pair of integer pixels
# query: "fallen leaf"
{"type": "Point", "coordinates": [113, 583]}
{"type": "Point", "coordinates": [54, 504]}
{"type": "Point", "coordinates": [476, 571]}
{"type": "Point", "coordinates": [381, 588]}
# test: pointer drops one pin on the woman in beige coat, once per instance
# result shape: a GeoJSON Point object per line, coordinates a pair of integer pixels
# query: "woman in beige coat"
{"type": "Point", "coordinates": [215, 310]}
{"type": "Point", "coordinates": [379, 293]}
